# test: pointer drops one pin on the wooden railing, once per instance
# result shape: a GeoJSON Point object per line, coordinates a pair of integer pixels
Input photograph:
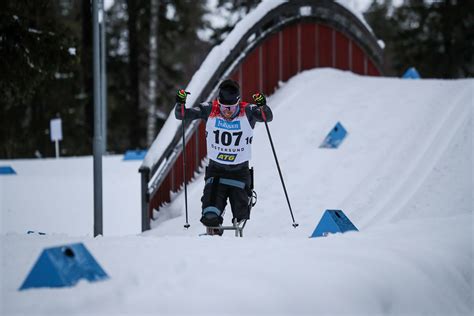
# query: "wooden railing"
{"type": "Point", "coordinates": [287, 39]}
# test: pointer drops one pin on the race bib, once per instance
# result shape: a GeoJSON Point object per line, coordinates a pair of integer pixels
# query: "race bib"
{"type": "Point", "coordinates": [229, 142]}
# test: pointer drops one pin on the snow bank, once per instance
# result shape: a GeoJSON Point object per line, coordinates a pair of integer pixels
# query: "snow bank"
{"type": "Point", "coordinates": [56, 196]}
{"type": "Point", "coordinates": [403, 176]}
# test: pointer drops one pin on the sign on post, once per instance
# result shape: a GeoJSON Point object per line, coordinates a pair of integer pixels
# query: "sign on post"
{"type": "Point", "coordinates": [56, 133]}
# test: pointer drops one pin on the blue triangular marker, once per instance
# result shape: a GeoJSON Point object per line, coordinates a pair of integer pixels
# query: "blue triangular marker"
{"type": "Point", "coordinates": [63, 266]}
{"type": "Point", "coordinates": [333, 221]}
{"type": "Point", "coordinates": [411, 73]}
{"type": "Point", "coordinates": [7, 170]}
{"type": "Point", "coordinates": [335, 137]}
{"type": "Point", "coordinates": [134, 155]}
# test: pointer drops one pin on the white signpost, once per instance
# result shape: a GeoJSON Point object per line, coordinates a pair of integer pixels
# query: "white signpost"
{"type": "Point", "coordinates": [56, 133]}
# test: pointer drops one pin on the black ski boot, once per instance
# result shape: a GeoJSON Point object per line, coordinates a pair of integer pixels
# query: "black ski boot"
{"type": "Point", "coordinates": [212, 231]}
{"type": "Point", "coordinates": [211, 220]}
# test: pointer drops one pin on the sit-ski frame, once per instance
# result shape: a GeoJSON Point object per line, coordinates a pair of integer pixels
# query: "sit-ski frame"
{"type": "Point", "coordinates": [238, 227]}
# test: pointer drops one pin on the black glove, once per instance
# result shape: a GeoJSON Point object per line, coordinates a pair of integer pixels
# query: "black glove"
{"type": "Point", "coordinates": [181, 96]}
{"type": "Point", "coordinates": [259, 99]}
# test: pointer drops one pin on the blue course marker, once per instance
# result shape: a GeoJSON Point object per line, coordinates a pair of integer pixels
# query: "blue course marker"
{"type": "Point", "coordinates": [134, 155]}
{"type": "Point", "coordinates": [333, 221]}
{"type": "Point", "coordinates": [5, 170]}
{"type": "Point", "coordinates": [335, 137]}
{"type": "Point", "coordinates": [64, 266]}
{"type": "Point", "coordinates": [411, 73]}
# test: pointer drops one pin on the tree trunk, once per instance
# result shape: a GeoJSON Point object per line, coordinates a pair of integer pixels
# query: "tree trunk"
{"type": "Point", "coordinates": [153, 71]}
{"type": "Point", "coordinates": [134, 89]}
{"type": "Point", "coordinates": [86, 61]}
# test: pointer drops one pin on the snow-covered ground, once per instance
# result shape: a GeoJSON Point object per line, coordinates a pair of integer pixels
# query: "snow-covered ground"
{"type": "Point", "coordinates": [404, 176]}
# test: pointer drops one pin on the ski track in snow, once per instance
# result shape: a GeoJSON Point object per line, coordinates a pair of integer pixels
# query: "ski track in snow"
{"type": "Point", "coordinates": [403, 176]}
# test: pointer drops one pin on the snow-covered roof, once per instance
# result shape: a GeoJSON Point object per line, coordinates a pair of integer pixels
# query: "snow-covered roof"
{"type": "Point", "coordinates": [352, 6]}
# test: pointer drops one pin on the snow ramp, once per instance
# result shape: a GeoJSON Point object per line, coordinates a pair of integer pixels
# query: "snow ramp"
{"type": "Point", "coordinates": [408, 154]}
{"type": "Point", "coordinates": [403, 176]}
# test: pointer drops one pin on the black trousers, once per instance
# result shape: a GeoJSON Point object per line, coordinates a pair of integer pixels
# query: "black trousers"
{"type": "Point", "coordinates": [216, 194]}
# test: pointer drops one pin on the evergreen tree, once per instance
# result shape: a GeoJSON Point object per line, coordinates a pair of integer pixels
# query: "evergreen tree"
{"type": "Point", "coordinates": [437, 38]}
{"type": "Point", "coordinates": [377, 16]}
{"type": "Point", "coordinates": [46, 71]}
{"type": "Point", "coordinates": [233, 11]}
{"type": "Point", "coordinates": [134, 68]}
{"type": "Point", "coordinates": [39, 71]}
{"type": "Point", "coordinates": [117, 77]}
{"type": "Point", "coordinates": [180, 52]}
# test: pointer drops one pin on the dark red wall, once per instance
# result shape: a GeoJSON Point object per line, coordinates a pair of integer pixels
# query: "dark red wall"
{"type": "Point", "coordinates": [281, 56]}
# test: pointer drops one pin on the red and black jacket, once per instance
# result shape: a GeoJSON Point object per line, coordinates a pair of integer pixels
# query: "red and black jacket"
{"type": "Point", "coordinates": [203, 111]}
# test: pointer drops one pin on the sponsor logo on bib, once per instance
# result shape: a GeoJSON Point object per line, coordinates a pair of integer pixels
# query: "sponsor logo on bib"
{"type": "Point", "coordinates": [226, 157]}
{"type": "Point", "coordinates": [232, 126]}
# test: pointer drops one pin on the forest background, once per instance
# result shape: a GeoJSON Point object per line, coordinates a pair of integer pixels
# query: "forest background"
{"type": "Point", "coordinates": [46, 66]}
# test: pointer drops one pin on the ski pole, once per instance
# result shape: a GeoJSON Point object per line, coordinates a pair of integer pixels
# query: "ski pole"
{"type": "Point", "coordinates": [279, 170]}
{"type": "Point", "coordinates": [184, 166]}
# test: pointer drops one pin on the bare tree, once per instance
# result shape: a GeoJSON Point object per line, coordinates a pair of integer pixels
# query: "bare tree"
{"type": "Point", "coordinates": [134, 88]}
{"type": "Point", "coordinates": [153, 71]}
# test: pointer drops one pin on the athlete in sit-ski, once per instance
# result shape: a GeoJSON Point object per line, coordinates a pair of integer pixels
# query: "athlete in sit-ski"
{"type": "Point", "coordinates": [229, 133]}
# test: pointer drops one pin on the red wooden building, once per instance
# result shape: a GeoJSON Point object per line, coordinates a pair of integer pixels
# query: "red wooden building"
{"type": "Point", "coordinates": [287, 38]}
